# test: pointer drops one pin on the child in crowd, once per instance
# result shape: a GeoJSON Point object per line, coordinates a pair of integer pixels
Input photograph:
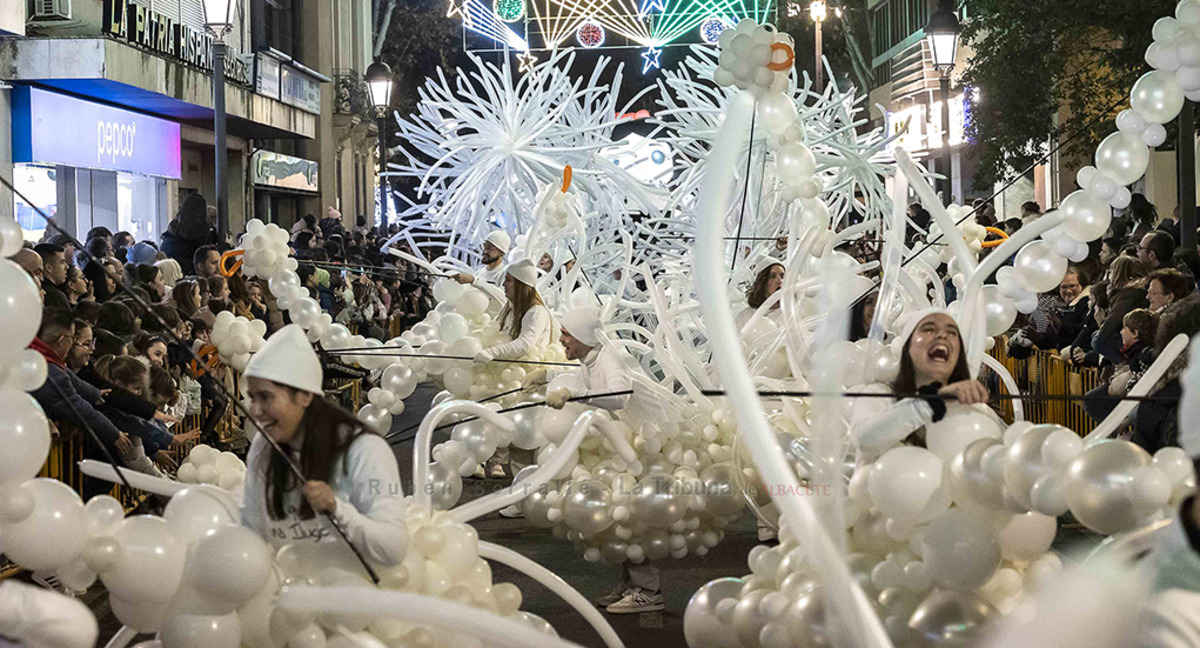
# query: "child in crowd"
{"type": "Point", "coordinates": [1137, 335]}
{"type": "Point", "coordinates": [168, 398]}
{"type": "Point", "coordinates": [132, 376]}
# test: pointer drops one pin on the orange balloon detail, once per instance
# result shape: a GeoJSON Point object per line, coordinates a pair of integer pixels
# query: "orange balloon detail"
{"type": "Point", "coordinates": [791, 57]}
{"type": "Point", "coordinates": [223, 266]}
{"type": "Point", "coordinates": [208, 359]}
{"type": "Point", "coordinates": [998, 232]}
{"type": "Point", "coordinates": [566, 183]}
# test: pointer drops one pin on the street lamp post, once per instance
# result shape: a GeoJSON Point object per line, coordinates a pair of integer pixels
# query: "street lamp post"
{"type": "Point", "coordinates": [217, 18]}
{"type": "Point", "coordinates": [817, 11]}
{"type": "Point", "coordinates": [379, 82]}
{"type": "Point", "coordinates": [942, 33]}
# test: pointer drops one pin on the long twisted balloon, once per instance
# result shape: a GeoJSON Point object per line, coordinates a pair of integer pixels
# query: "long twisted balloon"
{"type": "Point", "coordinates": [846, 597]}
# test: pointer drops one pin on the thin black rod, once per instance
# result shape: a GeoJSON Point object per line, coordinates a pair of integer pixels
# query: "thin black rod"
{"type": "Point", "coordinates": [367, 266]}
{"type": "Point", "coordinates": [899, 396]}
{"type": "Point", "coordinates": [514, 408]}
{"type": "Point", "coordinates": [745, 193]}
{"type": "Point", "coordinates": [376, 351]}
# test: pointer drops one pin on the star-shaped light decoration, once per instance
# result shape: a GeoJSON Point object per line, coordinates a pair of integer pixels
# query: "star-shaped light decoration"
{"type": "Point", "coordinates": [650, 5]}
{"type": "Point", "coordinates": [794, 9]}
{"type": "Point", "coordinates": [650, 59]}
{"type": "Point", "coordinates": [455, 8]}
{"type": "Point", "coordinates": [527, 61]}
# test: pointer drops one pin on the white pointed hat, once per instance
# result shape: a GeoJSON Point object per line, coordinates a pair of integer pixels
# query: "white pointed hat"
{"type": "Point", "coordinates": [583, 324]}
{"type": "Point", "coordinates": [524, 271]}
{"type": "Point", "coordinates": [288, 359]}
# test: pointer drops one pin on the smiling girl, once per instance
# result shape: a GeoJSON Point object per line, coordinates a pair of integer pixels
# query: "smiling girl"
{"type": "Point", "coordinates": [932, 363]}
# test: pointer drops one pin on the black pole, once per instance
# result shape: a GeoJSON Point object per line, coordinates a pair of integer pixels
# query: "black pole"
{"type": "Point", "coordinates": [1185, 152]}
{"type": "Point", "coordinates": [947, 184]}
{"type": "Point", "coordinates": [383, 203]}
{"type": "Point", "coordinates": [219, 137]}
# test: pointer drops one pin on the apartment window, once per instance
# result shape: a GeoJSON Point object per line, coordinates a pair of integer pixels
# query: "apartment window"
{"type": "Point", "coordinates": [276, 28]}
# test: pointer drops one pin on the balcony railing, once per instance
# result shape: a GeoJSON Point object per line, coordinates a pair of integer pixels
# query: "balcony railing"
{"type": "Point", "coordinates": [351, 96]}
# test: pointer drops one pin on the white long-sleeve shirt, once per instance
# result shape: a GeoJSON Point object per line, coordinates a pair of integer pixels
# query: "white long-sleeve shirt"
{"type": "Point", "coordinates": [879, 424]}
{"type": "Point", "coordinates": [491, 276]}
{"type": "Point", "coordinates": [535, 330]}
{"type": "Point", "coordinates": [370, 502]}
{"type": "Point", "coordinates": [602, 370]}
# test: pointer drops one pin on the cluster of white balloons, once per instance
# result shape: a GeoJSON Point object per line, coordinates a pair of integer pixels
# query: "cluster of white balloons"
{"type": "Point", "coordinates": [758, 58]}
{"type": "Point", "coordinates": [1110, 486]}
{"type": "Point", "coordinates": [1038, 267]}
{"type": "Point", "coordinates": [555, 207]}
{"type": "Point", "coordinates": [207, 465]}
{"type": "Point", "coordinates": [750, 54]}
{"type": "Point", "coordinates": [442, 561]}
{"type": "Point", "coordinates": [266, 250]}
{"type": "Point", "coordinates": [237, 337]}
{"type": "Point", "coordinates": [674, 500]}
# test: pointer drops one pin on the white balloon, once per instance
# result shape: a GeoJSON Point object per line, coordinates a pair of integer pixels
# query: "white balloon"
{"type": "Point", "coordinates": [24, 436]}
{"type": "Point", "coordinates": [19, 297]}
{"type": "Point", "coordinates": [906, 482]}
{"type": "Point", "coordinates": [152, 560]}
{"type": "Point", "coordinates": [999, 310]}
{"type": "Point", "coordinates": [1040, 268]}
{"type": "Point", "coordinates": [1123, 157]}
{"type": "Point", "coordinates": [1157, 97]}
{"type": "Point", "coordinates": [53, 534]}
{"type": "Point", "coordinates": [1027, 536]}
{"type": "Point", "coordinates": [197, 631]}
{"type": "Point", "coordinates": [199, 511]}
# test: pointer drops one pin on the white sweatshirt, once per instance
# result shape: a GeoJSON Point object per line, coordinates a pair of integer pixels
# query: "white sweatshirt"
{"type": "Point", "coordinates": [370, 502]}
{"type": "Point", "coordinates": [602, 370]}
{"type": "Point", "coordinates": [878, 424]}
{"type": "Point", "coordinates": [535, 330]}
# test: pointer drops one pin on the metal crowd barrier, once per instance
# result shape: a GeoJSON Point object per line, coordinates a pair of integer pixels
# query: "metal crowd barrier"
{"type": "Point", "coordinates": [1043, 372]}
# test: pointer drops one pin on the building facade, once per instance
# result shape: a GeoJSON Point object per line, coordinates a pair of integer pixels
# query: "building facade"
{"type": "Point", "coordinates": [111, 112]}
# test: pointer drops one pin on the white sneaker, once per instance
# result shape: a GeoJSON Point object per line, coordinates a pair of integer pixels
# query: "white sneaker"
{"type": "Point", "coordinates": [612, 596]}
{"type": "Point", "coordinates": [512, 511]}
{"type": "Point", "coordinates": [497, 472]}
{"type": "Point", "coordinates": [636, 602]}
{"type": "Point", "coordinates": [479, 474]}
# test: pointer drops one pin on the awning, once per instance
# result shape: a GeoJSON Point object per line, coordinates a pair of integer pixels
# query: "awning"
{"type": "Point", "coordinates": [107, 70]}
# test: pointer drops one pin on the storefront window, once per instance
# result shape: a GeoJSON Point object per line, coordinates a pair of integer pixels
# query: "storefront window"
{"type": "Point", "coordinates": [38, 184]}
{"type": "Point", "coordinates": [141, 206]}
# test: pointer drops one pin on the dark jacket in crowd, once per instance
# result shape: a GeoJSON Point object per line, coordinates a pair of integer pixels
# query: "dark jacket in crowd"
{"type": "Point", "coordinates": [66, 397]}
{"type": "Point", "coordinates": [1156, 423]}
{"type": "Point", "coordinates": [1108, 342]}
{"type": "Point", "coordinates": [55, 297]}
{"type": "Point", "coordinates": [151, 436]}
{"type": "Point", "coordinates": [1072, 320]}
{"type": "Point", "coordinates": [118, 398]}
{"type": "Point", "coordinates": [181, 249]}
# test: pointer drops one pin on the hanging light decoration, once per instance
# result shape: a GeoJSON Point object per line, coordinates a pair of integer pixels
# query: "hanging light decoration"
{"type": "Point", "coordinates": [710, 30]}
{"type": "Point", "coordinates": [590, 34]}
{"type": "Point", "coordinates": [509, 10]}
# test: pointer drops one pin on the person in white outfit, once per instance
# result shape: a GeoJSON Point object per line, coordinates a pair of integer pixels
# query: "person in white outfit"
{"type": "Point", "coordinates": [768, 279]}
{"type": "Point", "coordinates": [524, 316]}
{"type": "Point", "coordinates": [495, 248]}
{"type": "Point", "coordinates": [603, 369]}
{"type": "Point", "coordinates": [527, 320]}
{"type": "Point", "coordinates": [351, 474]}
{"type": "Point", "coordinates": [932, 363]}
{"type": "Point", "coordinates": [36, 617]}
